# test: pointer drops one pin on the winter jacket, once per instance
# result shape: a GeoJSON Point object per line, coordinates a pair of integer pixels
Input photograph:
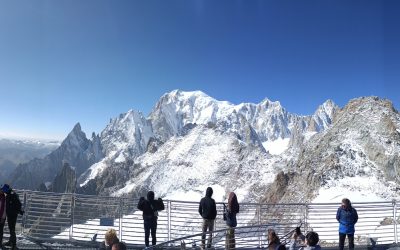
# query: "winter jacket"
{"type": "Point", "coordinates": [347, 218]}
{"type": "Point", "coordinates": [317, 247]}
{"type": "Point", "coordinates": [13, 204]}
{"type": "Point", "coordinates": [103, 245]}
{"type": "Point", "coordinates": [150, 207]}
{"type": "Point", "coordinates": [2, 207]}
{"type": "Point", "coordinates": [207, 207]}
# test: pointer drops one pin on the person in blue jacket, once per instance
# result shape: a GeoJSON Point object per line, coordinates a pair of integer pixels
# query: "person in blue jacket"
{"type": "Point", "coordinates": [347, 217]}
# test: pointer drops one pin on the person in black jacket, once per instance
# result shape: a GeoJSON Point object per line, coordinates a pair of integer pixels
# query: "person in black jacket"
{"type": "Point", "coordinates": [150, 208]}
{"type": "Point", "coordinates": [208, 211]}
{"type": "Point", "coordinates": [13, 208]}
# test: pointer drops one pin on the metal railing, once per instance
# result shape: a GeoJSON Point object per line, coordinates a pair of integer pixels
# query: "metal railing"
{"type": "Point", "coordinates": [75, 217]}
{"type": "Point", "coordinates": [245, 237]}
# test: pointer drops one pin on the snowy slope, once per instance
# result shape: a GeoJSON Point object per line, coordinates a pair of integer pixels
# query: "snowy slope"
{"type": "Point", "coordinates": [183, 167]}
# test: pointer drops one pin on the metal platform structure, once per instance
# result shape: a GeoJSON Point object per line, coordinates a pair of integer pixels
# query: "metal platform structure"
{"type": "Point", "coordinates": [54, 221]}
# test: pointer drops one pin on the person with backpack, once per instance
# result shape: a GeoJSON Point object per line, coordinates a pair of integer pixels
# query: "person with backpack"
{"type": "Point", "coordinates": [230, 217]}
{"type": "Point", "coordinates": [150, 208]}
{"type": "Point", "coordinates": [208, 211]}
{"type": "Point", "coordinates": [13, 208]}
{"type": "Point", "coordinates": [347, 217]}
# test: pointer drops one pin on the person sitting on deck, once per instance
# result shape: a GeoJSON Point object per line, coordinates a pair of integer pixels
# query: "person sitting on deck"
{"type": "Point", "coordinates": [312, 240]}
{"type": "Point", "coordinates": [110, 238]}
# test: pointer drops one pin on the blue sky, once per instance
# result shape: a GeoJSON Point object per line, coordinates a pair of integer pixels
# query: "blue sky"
{"type": "Point", "coordinates": [69, 61]}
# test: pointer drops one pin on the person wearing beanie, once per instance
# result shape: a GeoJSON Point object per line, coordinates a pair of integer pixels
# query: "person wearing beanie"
{"type": "Point", "coordinates": [208, 211]}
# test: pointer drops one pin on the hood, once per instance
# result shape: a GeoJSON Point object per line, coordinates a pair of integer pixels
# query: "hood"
{"type": "Point", "coordinates": [209, 192]}
{"type": "Point", "coordinates": [150, 196]}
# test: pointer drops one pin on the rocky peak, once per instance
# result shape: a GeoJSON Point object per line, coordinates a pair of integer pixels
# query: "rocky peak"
{"type": "Point", "coordinates": [323, 116]}
{"type": "Point", "coordinates": [363, 144]}
{"type": "Point", "coordinates": [76, 138]}
{"type": "Point", "coordinates": [65, 181]}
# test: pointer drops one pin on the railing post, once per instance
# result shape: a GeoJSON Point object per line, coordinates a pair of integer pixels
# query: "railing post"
{"type": "Point", "coordinates": [120, 217]}
{"type": "Point", "coordinates": [169, 220]}
{"type": "Point", "coordinates": [259, 223]}
{"type": "Point", "coordinates": [305, 217]}
{"type": "Point", "coordinates": [395, 220]}
{"type": "Point", "coordinates": [71, 228]}
{"type": "Point", "coordinates": [24, 215]}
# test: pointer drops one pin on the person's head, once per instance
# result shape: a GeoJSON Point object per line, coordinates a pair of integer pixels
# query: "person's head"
{"type": "Point", "coordinates": [111, 237]}
{"type": "Point", "coordinates": [312, 239]}
{"type": "Point", "coordinates": [209, 192]}
{"type": "Point", "coordinates": [233, 203]}
{"type": "Point", "coordinates": [118, 246]}
{"type": "Point", "coordinates": [346, 203]}
{"type": "Point", "coordinates": [150, 196]}
{"type": "Point", "coordinates": [272, 237]}
{"type": "Point", "coordinates": [6, 189]}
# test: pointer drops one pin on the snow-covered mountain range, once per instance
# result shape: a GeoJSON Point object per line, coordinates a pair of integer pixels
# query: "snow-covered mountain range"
{"type": "Point", "coordinates": [191, 141]}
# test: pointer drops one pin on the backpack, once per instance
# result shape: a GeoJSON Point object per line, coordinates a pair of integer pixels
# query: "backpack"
{"type": "Point", "coordinates": [13, 204]}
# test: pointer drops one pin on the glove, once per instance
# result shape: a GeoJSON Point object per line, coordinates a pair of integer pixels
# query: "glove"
{"type": "Point", "coordinates": [21, 212]}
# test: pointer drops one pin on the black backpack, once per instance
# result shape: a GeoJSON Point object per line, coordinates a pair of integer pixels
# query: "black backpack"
{"type": "Point", "coordinates": [14, 204]}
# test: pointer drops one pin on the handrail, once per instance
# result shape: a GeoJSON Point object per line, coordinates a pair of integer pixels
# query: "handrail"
{"type": "Point", "coordinates": [221, 234]}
